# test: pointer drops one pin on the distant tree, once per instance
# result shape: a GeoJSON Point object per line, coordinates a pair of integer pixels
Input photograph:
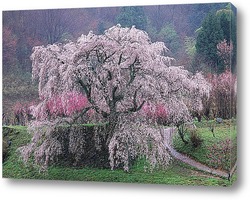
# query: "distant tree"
{"type": "Point", "coordinates": [189, 54]}
{"type": "Point", "coordinates": [53, 25]}
{"type": "Point", "coordinates": [190, 49]}
{"type": "Point", "coordinates": [22, 113]}
{"type": "Point", "coordinates": [132, 16]}
{"type": "Point", "coordinates": [9, 49]}
{"type": "Point", "coordinates": [169, 35]}
{"type": "Point", "coordinates": [198, 13]}
{"type": "Point", "coordinates": [223, 96]}
{"type": "Point", "coordinates": [27, 35]}
{"type": "Point", "coordinates": [209, 35]}
{"type": "Point", "coordinates": [215, 28]}
{"type": "Point", "coordinates": [228, 24]}
{"type": "Point", "coordinates": [225, 51]}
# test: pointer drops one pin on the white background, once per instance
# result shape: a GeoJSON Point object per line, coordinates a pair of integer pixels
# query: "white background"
{"type": "Point", "coordinates": [37, 189]}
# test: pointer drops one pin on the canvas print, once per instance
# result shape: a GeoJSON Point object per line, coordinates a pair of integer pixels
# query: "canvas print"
{"type": "Point", "coordinates": [132, 94]}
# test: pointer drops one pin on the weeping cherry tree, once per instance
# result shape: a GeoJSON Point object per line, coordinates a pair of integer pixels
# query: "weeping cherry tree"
{"type": "Point", "coordinates": [119, 72]}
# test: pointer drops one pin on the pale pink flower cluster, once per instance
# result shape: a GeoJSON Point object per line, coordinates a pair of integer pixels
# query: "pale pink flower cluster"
{"type": "Point", "coordinates": [225, 50]}
{"type": "Point", "coordinates": [44, 147]}
{"type": "Point", "coordinates": [133, 139]}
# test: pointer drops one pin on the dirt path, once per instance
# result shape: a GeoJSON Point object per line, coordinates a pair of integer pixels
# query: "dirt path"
{"type": "Point", "coordinates": [168, 138]}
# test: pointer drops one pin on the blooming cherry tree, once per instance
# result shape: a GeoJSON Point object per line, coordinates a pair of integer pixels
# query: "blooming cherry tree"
{"type": "Point", "coordinates": [119, 72]}
{"type": "Point", "coordinates": [225, 50]}
{"type": "Point", "coordinates": [223, 96]}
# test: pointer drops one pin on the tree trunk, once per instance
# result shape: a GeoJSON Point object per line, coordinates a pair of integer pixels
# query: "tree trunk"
{"type": "Point", "coordinates": [181, 133]}
{"type": "Point", "coordinates": [112, 123]}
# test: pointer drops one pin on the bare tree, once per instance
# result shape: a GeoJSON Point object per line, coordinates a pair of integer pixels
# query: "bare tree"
{"type": "Point", "coordinates": [53, 24]}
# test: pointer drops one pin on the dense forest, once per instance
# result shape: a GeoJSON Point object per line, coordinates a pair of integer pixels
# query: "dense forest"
{"type": "Point", "coordinates": [185, 29]}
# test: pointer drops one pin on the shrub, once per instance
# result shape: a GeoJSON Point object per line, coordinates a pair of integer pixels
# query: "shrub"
{"type": "Point", "coordinates": [66, 104]}
{"type": "Point", "coordinates": [195, 138]}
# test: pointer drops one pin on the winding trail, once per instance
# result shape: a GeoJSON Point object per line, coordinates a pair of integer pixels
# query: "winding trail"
{"type": "Point", "coordinates": [168, 140]}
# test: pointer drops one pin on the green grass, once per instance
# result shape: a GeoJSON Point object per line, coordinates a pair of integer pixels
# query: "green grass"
{"type": "Point", "coordinates": [176, 174]}
{"type": "Point", "coordinates": [221, 132]}
{"type": "Point", "coordinates": [88, 125]}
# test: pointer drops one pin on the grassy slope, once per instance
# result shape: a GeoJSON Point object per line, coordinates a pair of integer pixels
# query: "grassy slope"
{"type": "Point", "coordinates": [176, 174]}
{"type": "Point", "coordinates": [221, 132]}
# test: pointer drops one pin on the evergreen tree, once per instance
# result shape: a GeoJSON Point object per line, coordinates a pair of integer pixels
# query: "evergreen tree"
{"type": "Point", "coordinates": [132, 16]}
{"type": "Point", "coordinates": [199, 13]}
{"type": "Point", "coordinates": [171, 38]}
{"type": "Point", "coordinates": [228, 24]}
{"type": "Point", "coordinates": [209, 35]}
{"type": "Point", "coordinates": [215, 28]}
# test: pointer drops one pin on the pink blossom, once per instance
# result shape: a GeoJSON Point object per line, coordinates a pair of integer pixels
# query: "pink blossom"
{"type": "Point", "coordinates": [65, 104]}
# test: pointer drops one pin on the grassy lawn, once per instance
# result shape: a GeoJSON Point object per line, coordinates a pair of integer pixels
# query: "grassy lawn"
{"type": "Point", "coordinates": [176, 174]}
{"type": "Point", "coordinates": [226, 130]}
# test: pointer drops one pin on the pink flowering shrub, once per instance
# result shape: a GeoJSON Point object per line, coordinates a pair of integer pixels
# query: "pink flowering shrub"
{"type": "Point", "coordinates": [22, 113]}
{"type": "Point", "coordinates": [64, 105]}
{"type": "Point", "coordinates": [156, 113]}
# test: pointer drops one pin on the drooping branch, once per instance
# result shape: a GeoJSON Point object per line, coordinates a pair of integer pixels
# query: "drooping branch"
{"type": "Point", "coordinates": [120, 59]}
{"type": "Point", "coordinates": [108, 56]}
{"type": "Point", "coordinates": [175, 90]}
{"type": "Point", "coordinates": [139, 107]}
{"type": "Point", "coordinates": [99, 111]}
{"type": "Point", "coordinates": [135, 107]}
{"type": "Point", "coordinates": [115, 97]}
{"type": "Point", "coordinates": [87, 89]}
{"type": "Point", "coordinates": [81, 114]}
{"type": "Point", "coordinates": [109, 76]}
